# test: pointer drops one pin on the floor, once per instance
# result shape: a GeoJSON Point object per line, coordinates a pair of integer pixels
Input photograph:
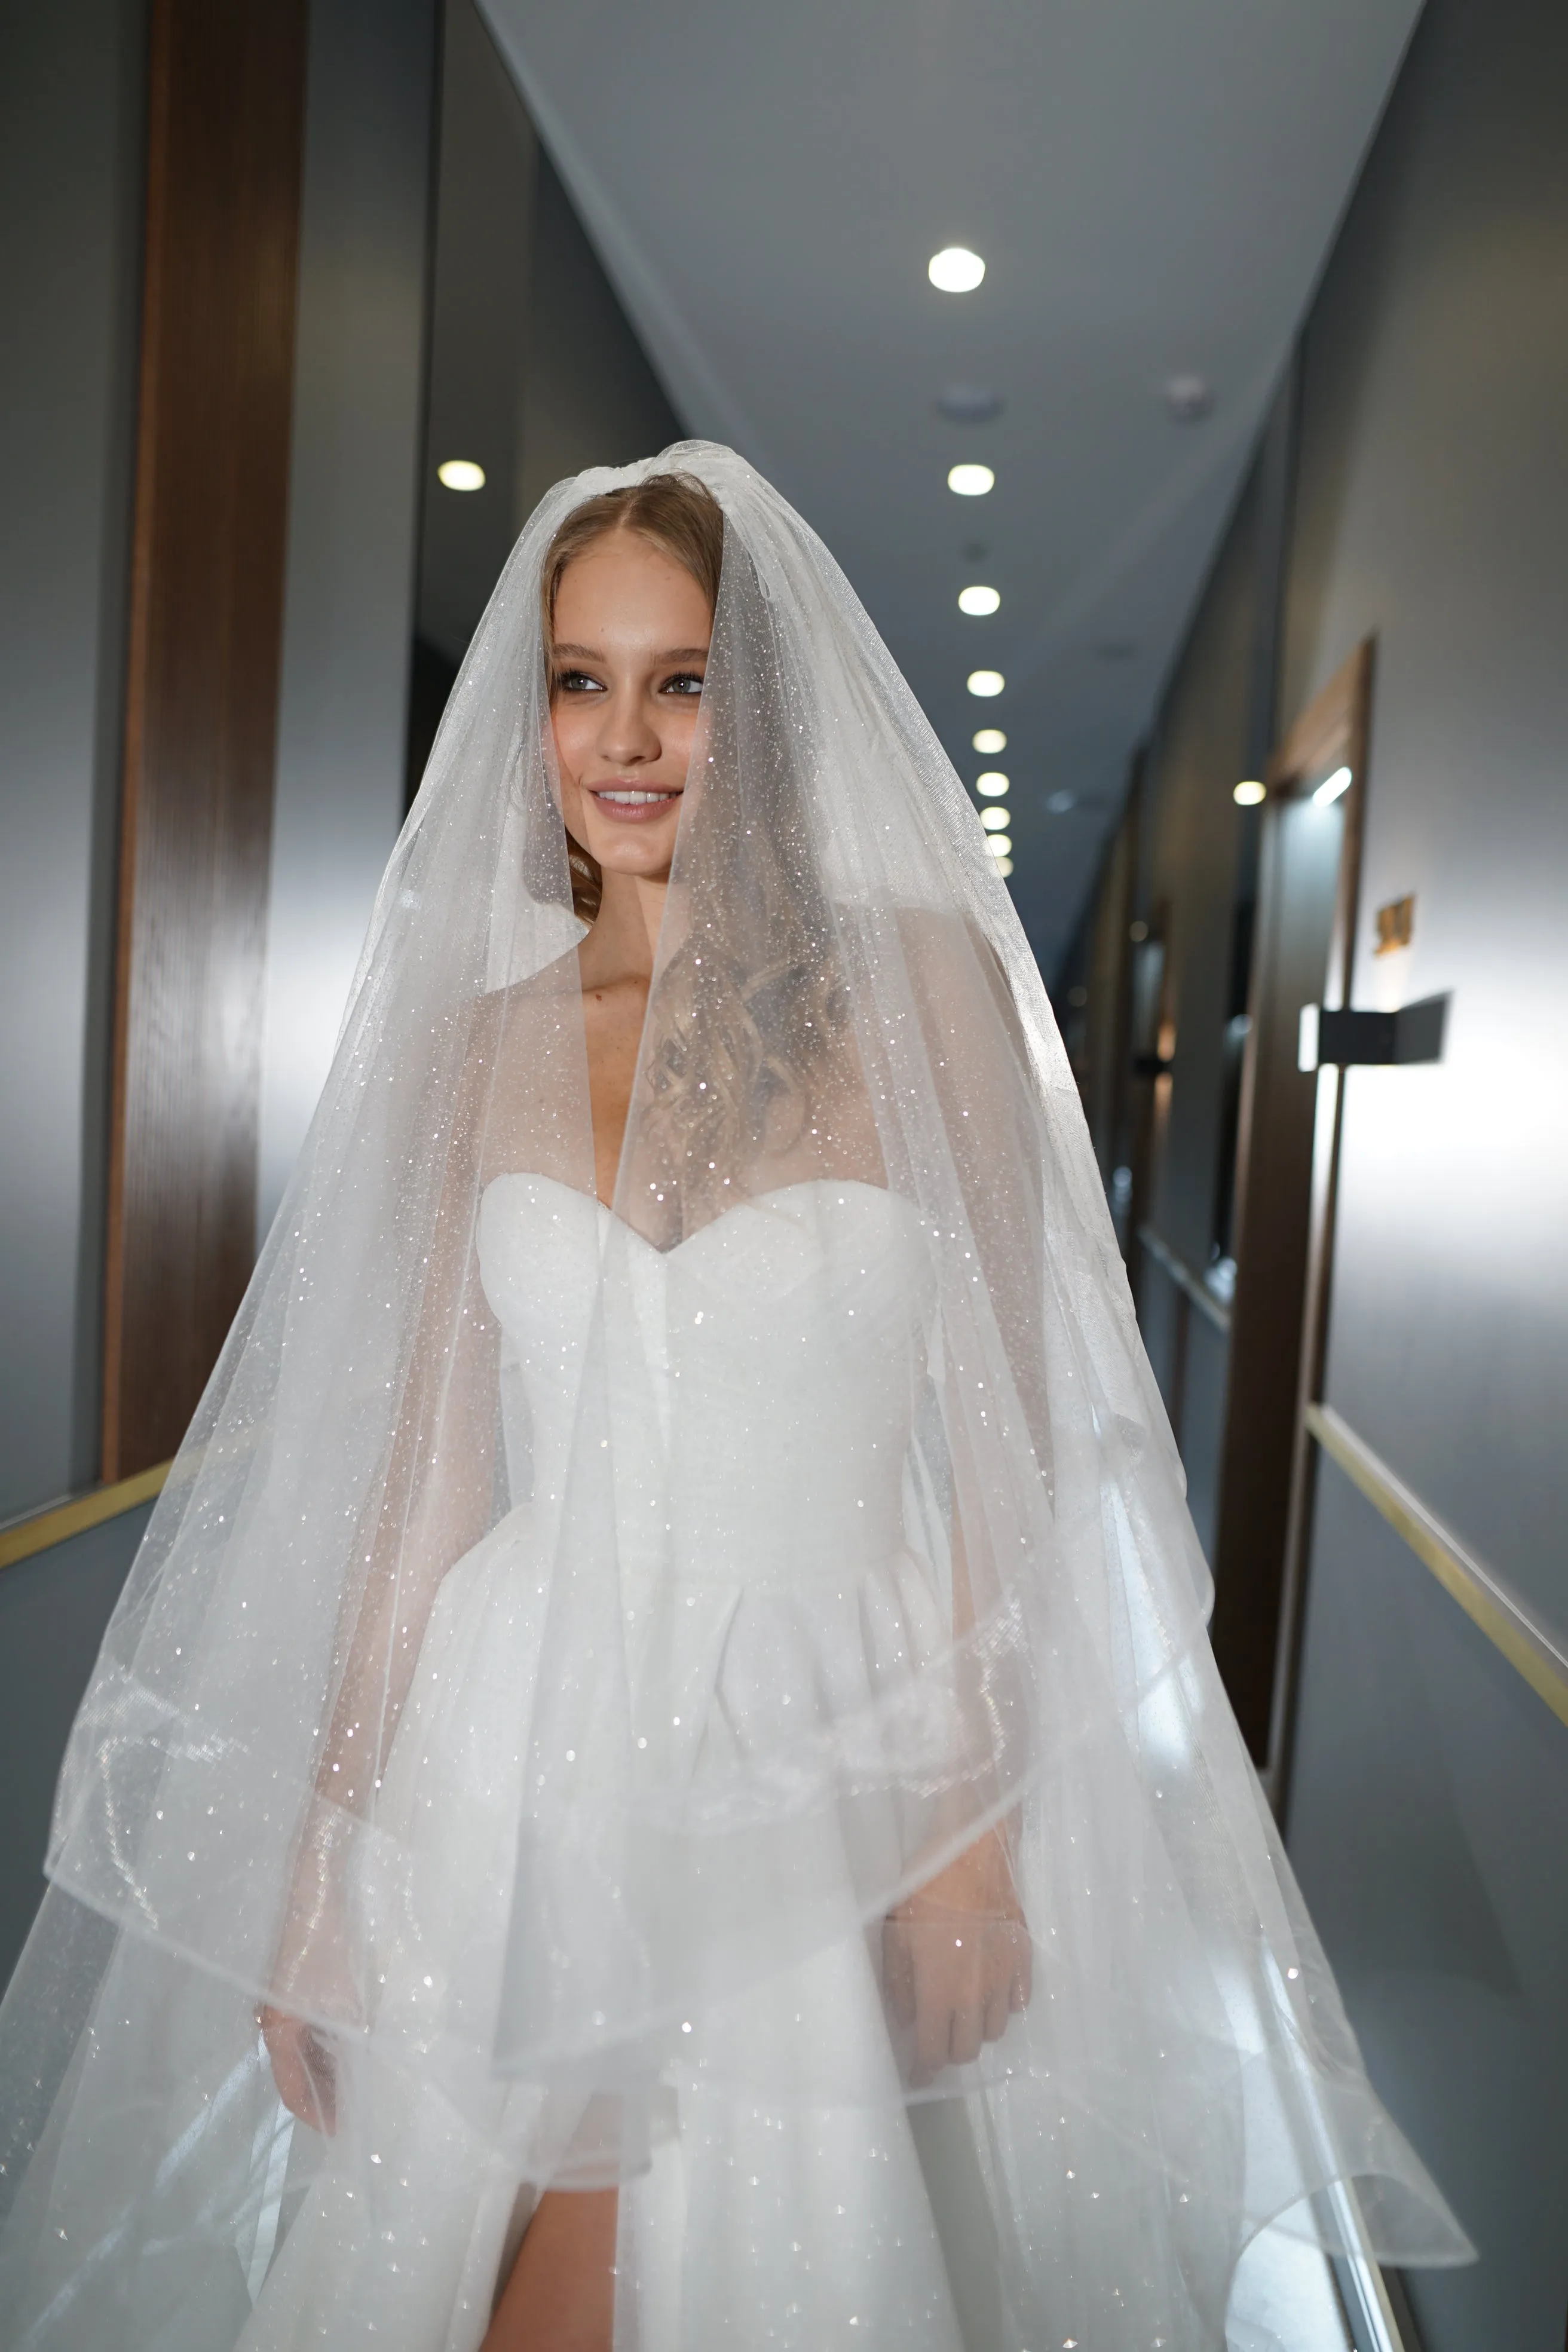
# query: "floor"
{"type": "Point", "coordinates": [1284, 2300]}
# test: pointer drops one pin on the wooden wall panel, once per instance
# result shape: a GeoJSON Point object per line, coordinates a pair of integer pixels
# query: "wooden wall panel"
{"type": "Point", "coordinates": [227, 103]}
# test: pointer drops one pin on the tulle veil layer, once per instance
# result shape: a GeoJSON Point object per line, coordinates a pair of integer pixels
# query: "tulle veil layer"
{"type": "Point", "coordinates": [844, 1004]}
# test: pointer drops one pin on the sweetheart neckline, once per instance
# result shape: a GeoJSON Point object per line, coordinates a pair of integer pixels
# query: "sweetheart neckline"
{"type": "Point", "coordinates": [757, 1201]}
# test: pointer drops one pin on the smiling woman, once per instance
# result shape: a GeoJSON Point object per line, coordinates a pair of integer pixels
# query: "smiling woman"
{"type": "Point", "coordinates": [620, 692]}
{"type": "Point", "coordinates": [624, 705]}
{"type": "Point", "coordinates": [678, 1606]}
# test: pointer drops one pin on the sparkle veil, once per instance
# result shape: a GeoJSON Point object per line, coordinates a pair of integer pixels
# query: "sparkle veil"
{"type": "Point", "coordinates": [846, 1037]}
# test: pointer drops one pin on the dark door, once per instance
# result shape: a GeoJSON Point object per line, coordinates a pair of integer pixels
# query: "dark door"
{"type": "Point", "coordinates": [1286, 1154]}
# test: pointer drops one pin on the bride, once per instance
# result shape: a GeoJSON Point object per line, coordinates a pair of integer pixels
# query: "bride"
{"type": "Point", "coordinates": [659, 1782]}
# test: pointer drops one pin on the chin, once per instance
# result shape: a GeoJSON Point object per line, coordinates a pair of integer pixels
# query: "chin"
{"type": "Point", "coordinates": [649, 855]}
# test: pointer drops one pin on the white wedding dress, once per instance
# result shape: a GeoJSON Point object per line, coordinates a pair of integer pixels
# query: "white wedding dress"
{"type": "Point", "coordinates": [665, 1746]}
{"type": "Point", "coordinates": [823, 2216]}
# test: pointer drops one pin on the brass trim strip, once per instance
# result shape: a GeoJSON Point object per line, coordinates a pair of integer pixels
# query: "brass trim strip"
{"type": "Point", "coordinates": [40, 1529]}
{"type": "Point", "coordinates": [1186, 1280]}
{"type": "Point", "coordinates": [1506, 1622]}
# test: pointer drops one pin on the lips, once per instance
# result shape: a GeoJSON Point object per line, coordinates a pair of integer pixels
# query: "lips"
{"type": "Point", "coordinates": [633, 803]}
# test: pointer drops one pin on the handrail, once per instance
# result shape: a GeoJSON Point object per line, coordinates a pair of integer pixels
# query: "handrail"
{"type": "Point", "coordinates": [1507, 1624]}
{"type": "Point", "coordinates": [37, 1531]}
{"type": "Point", "coordinates": [1186, 1280]}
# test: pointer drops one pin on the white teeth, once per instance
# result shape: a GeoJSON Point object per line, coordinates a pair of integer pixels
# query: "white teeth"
{"type": "Point", "coordinates": [634, 799]}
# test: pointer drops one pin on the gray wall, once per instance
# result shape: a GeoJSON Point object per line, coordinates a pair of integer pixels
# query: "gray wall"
{"type": "Point", "coordinates": [1430, 1809]}
{"type": "Point", "coordinates": [359, 374]}
{"type": "Point", "coordinates": [53, 1610]}
{"type": "Point", "coordinates": [1195, 840]}
{"type": "Point", "coordinates": [1197, 859]}
{"type": "Point", "coordinates": [590, 397]}
{"type": "Point", "coordinates": [70, 193]}
{"type": "Point", "coordinates": [1428, 1825]}
{"type": "Point", "coordinates": [1428, 1800]}
{"type": "Point", "coordinates": [1433, 510]}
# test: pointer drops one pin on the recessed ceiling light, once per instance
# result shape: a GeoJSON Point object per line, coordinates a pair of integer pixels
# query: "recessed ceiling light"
{"type": "Point", "coordinates": [1003, 865]}
{"type": "Point", "coordinates": [968, 404]}
{"type": "Point", "coordinates": [1000, 844]}
{"type": "Point", "coordinates": [1249, 794]}
{"type": "Point", "coordinates": [979, 601]}
{"type": "Point", "coordinates": [995, 820]}
{"type": "Point", "coordinates": [460, 474]}
{"type": "Point", "coordinates": [993, 783]}
{"type": "Point", "coordinates": [971, 481]}
{"type": "Point", "coordinates": [1060, 803]}
{"type": "Point", "coordinates": [956, 270]}
{"type": "Point", "coordinates": [1332, 786]}
{"type": "Point", "coordinates": [989, 740]}
{"type": "Point", "coordinates": [986, 681]}
{"type": "Point", "coordinates": [1188, 397]}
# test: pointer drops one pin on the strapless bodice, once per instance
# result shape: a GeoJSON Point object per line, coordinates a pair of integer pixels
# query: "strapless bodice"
{"type": "Point", "coordinates": [751, 1392]}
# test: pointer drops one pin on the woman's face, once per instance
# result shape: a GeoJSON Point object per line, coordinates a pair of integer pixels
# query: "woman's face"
{"type": "Point", "coordinates": [632, 631]}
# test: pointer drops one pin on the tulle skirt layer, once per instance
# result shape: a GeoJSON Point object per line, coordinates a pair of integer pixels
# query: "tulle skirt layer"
{"type": "Point", "coordinates": [1182, 2075]}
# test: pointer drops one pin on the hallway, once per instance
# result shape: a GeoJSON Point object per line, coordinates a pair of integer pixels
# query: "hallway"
{"type": "Point", "coordinates": [1181, 392]}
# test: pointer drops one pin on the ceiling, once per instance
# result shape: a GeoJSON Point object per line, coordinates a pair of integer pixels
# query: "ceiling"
{"type": "Point", "coordinates": [1154, 186]}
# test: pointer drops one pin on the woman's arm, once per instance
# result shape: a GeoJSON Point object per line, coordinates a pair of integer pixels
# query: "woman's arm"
{"type": "Point", "coordinates": [957, 1952]}
{"type": "Point", "coordinates": [956, 1955]}
{"type": "Point", "coordinates": [435, 1503]}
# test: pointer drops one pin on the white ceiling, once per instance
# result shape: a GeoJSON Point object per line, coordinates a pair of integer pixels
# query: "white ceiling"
{"type": "Point", "coordinates": [1154, 186]}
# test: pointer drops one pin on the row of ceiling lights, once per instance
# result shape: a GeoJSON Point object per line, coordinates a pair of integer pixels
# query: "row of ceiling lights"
{"type": "Point", "coordinates": [956, 270]}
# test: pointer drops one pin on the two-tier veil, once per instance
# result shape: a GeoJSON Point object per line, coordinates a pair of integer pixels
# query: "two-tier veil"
{"type": "Point", "coordinates": [725, 1747]}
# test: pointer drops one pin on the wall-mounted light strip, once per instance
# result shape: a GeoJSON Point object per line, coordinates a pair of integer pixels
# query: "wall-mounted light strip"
{"type": "Point", "coordinates": [1528, 1648]}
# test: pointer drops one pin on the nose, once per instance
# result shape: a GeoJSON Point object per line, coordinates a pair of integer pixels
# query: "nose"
{"type": "Point", "coordinates": [627, 737]}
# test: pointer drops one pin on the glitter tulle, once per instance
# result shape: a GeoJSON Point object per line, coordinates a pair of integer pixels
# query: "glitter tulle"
{"type": "Point", "coordinates": [568, 1633]}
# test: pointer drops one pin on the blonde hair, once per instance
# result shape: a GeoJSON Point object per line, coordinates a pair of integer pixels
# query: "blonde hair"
{"type": "Point", "coordinates": [677, 514]}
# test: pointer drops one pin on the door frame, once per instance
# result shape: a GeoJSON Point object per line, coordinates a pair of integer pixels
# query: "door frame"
{"type": "Point", "coordinates": [1280, 1332]}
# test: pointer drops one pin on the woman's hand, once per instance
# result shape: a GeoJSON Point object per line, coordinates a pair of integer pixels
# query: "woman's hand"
{"type": "Point", "coordinates": [956, 1957]}
{"type": "Point", "coordinates": [302, 2068]}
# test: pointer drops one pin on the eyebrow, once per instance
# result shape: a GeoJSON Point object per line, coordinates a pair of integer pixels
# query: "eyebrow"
{"type": "Point", "coordinates": [671, 653]}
